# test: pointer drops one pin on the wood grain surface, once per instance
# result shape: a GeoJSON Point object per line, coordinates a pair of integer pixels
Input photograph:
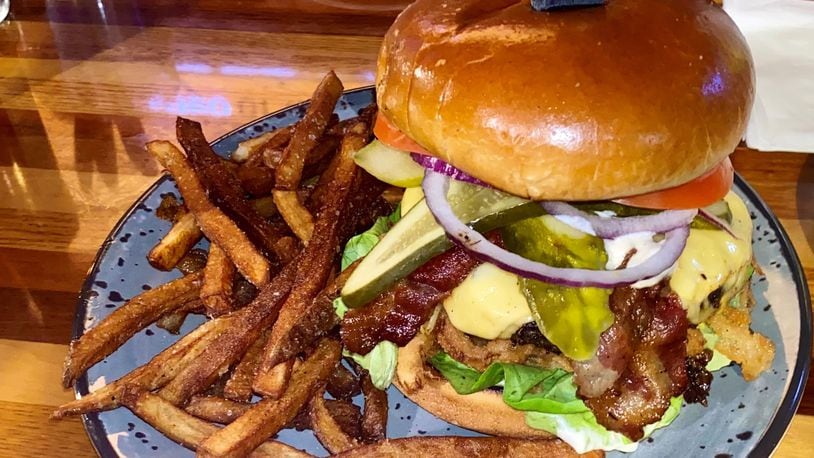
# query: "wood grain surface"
{"type": "Point", "coordinates": [84, 84]}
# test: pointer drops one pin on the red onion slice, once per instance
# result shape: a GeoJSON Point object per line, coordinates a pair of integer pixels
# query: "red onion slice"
{"type": "Point", "coordinates": [445, 168]}
{"type": "Point", "coordinates": [717, 222]}
{"type": "Point", "coordinates": [610, 228]}
{"type": "Point", "coordinates": [436, 185]}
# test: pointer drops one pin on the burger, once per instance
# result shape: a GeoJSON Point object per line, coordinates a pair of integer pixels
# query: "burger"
{"type": "Point", "coordinates": [568, 257]}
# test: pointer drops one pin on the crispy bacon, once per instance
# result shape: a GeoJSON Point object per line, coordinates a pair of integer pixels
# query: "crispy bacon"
{"type": "Point", "coordinates": [647, 346]}
{"type": "Point", "coordinates": [398, 313]}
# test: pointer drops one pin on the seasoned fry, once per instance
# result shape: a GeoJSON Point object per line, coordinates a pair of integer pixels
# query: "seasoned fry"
{"type": "Point", "coordinates": [153, 375]}
{"type": "Point", "coordinates": [343, 384]}
{"type": "Point", "coordinates": [188, 430]}
{"type": "Point", "coordinates": [467, 446]}
{"type": "Point", "coordinates": [255, 178]}
{"type": "Point", "coordinates": [239, 386]}
{"type": "Point", "coordinates": [298, 217]}
{"type": "Point", "coordinates": [172, 323]}
{"type": "Point", "coordinates": [218, 278]}
{"type": "Point", "coordinates": [249, 148]}
{"type": "Point", "coordinates": [132, 317]}
{"type": "Point", "coordinates": [270, 415]}
{"type": "Point", "coordinates": [327, 429]}
{"type": "Point", "coordinates": [308, 131]}
{"type": "Point", "coordinates": [374, 418]}
{"type": "Point", "coordinates": [213, 222]}
{"type": "Point", "coordinates": [275, 382]}
{"type": "Point", "coordinates": [245, 328]}
{"type": "Point", "coordinates": [316, 265]}
{"type": "Point", "coordinates": [184, 234]}
{"type": "Point", "coordinates": [219, 410]}
{"type": "Point", "coordinates": [223, 187]}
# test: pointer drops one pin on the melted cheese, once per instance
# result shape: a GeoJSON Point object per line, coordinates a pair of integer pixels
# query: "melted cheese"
{"type": "Point", "coordinates": [488, 304]}
{"type": "Point", "coordinates": [411, 197]}
{"type": "Point", "coordinates": [713, 259]}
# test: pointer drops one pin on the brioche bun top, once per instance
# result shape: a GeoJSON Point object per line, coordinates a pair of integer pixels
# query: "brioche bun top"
{"type": "Point", "coordinates": [578, 104]}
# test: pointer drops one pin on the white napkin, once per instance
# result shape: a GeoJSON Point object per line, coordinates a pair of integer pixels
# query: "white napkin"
{"type": "Point", "coordinates": [781, 36]}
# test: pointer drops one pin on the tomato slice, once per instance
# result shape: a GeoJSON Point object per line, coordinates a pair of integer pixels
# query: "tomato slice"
{"type": "Point", "coordinates": [700, 192]}
{"type": "Point", "coordinates": [388, 134]}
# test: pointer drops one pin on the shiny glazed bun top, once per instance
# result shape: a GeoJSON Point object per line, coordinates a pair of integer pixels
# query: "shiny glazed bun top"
{"type": "Point", "coordinates": [579, 104]}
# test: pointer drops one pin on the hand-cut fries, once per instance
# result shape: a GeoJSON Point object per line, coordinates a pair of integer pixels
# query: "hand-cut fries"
{"type": "Point", "coordinates": [218, 410]}
{"type": "Point", "coordinates": [269, 140]}
{"type": "Point", "coordinates": [218, 278]}
{"type": "Point", "coordinates": [298, 217]}
{"type": "Point", "coordinates": [374, 418]}
{"type": "Point", "coordinates": [343, 384]}
{"type": "Point", "coordinates": [308, 131]}
{"type": "Point", "coordinates": [275, 382]}
{"type": "Point", "coordinates": [184, 234]}
{"type": "Point", "coordinates": [245, 328]}
{"type": "Point", "coordinates": [213, 222]}
{"type": "Point", "coordinates": [327, 430]}
{"type": "Point", "coordinates": [188, 430]}
{"type": "Point", "coordinates": [223, 187]}
{"type": "Point", "coordinates": [467, 446]}
{"type": "Point", "coordinates": [239, 386]}
{"type": "Point", "coordinates": [317, 263]}
{"type": "Point", "coordinates": [153, 375]}
{"type": "Point", "coordinates": [268, 416]}
{"type": "Point", "coordinates": [104, 338]}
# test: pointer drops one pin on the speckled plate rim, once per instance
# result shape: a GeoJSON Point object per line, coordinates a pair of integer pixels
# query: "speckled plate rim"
{"type": "Point", "coordinates": [766, 445]}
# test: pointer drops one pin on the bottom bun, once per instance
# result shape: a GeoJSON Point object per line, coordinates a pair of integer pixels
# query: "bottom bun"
{"type": "Point", "coordinates": [483, 411]}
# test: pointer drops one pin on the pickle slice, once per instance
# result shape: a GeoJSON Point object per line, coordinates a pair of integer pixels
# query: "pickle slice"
{"type": "Point", "coordinates": [390, 165]}
{"type": "Point", "coordinates": [417, 237]}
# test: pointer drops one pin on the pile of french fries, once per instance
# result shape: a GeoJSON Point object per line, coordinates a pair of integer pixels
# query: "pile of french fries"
{"type": "Point", "coordinates": [276, 214]}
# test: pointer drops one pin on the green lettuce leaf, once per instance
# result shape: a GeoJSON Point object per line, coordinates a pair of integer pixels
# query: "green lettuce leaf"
{"type": "Point", "coordinates": [360, 245]}
{"type": "Point", "coordinates": [549, 398]}
{"type": "Point", "coordinates": [381, 361]}
{"type": "Point", "coordinates": [718, 360]}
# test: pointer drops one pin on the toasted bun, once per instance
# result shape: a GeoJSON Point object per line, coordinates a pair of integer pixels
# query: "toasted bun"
{"type": "Point", "coordinates": [484, 411]}
{"type": "Point", "coordinates": [581, 104]}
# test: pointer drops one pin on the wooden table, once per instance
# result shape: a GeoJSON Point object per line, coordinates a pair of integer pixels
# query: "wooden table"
{"type": "Point", "coordinates": [84, 84]}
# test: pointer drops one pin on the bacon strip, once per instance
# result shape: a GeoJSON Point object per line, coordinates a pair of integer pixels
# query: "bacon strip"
{"type": "Point", "coordinates": [647, 346]}
{"type": "Point", "coordinates": [398, 313]}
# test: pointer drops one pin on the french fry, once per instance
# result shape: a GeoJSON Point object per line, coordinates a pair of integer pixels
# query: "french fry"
{"type": "Point", "coordinates": [249, 148]}
{"type": "Point", "coordinates": [342, 384]}
{"type": "Point", "coordinates": [153, 375]}
{"type": "Point", "coordinates": [327, 429]}
{"type": "Point", "coordinates": [277, 379]}
{"type": "Point", "coordinates": [172, 323]}
{"type": "Point", "coordinates": [245, 328]}
{"type": "Point", "coordinates": [467, 446]}
{"type": "Point", "coordinates": [298, 217]}
{"type": "Point", "coordinates": [314, 269]}
{"type": "Point", "coordinates": [104, 338]}
{"type": "Point", "coordinates": [188, 430]}
{"type": "Point", "coordinates": [268, 416]}
{"type": "Point", "coordinates": [223, 187]}
{"type": "Point", "coordinates": [216, 409]}
{"type": "Point", "coordinates": [218, 278]}
{"type": "Point", "coordinates": [239, 386]}
{"type": "Point", "coordinates": [213, 222]}
{"type": "Point", "coordinates": [255, 178]}
{"type": "Point", "coordinates": [374, 418]}
{"type": "Point", "coordinates": [307, 132]}
{"type": "Point", "coordinates": [184, 234]}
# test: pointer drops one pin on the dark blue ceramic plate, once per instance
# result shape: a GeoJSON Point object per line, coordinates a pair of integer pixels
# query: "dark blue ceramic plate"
{"type": "Point", "coordinates": [741, 419]}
